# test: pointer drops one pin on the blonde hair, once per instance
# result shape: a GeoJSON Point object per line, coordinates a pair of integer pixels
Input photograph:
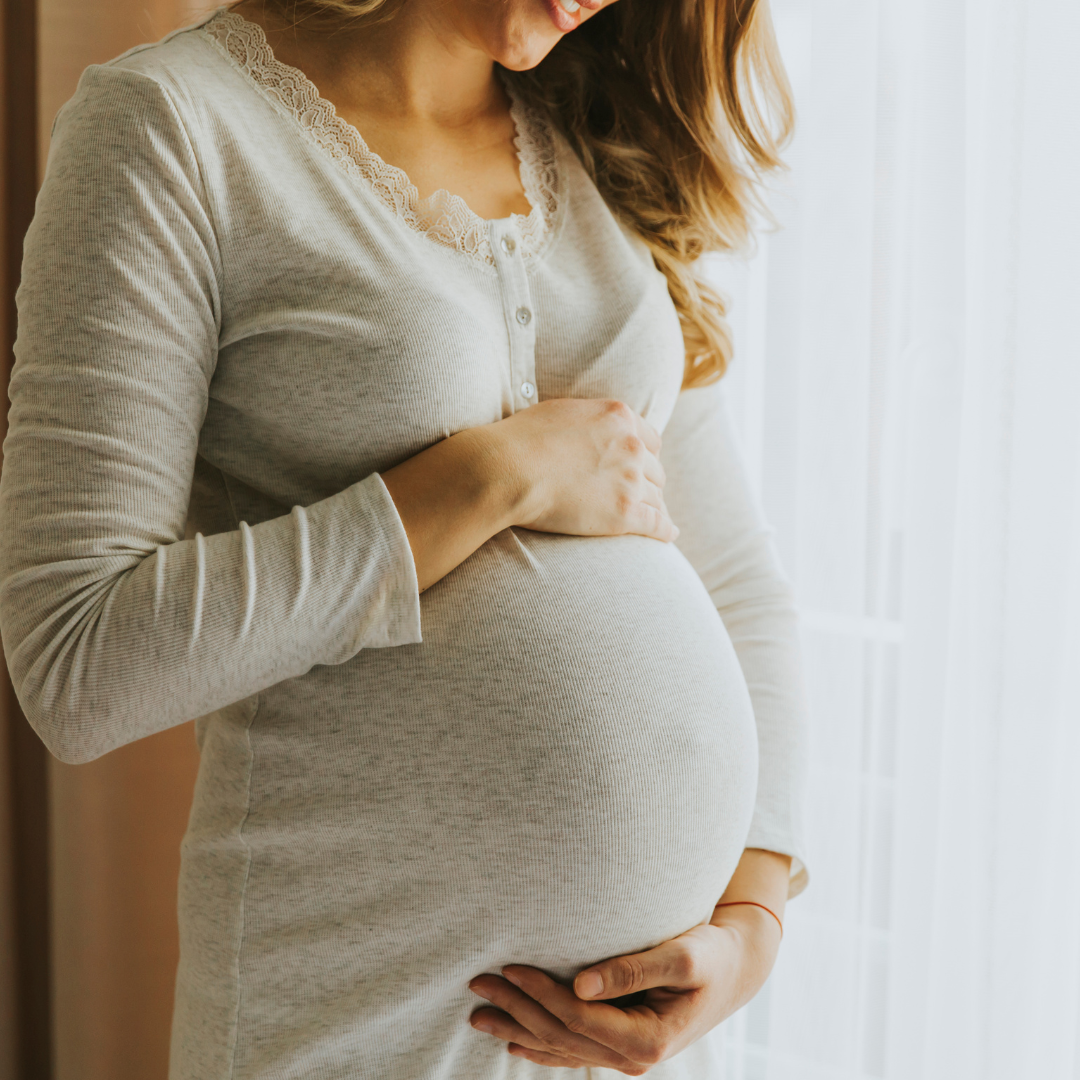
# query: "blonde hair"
{"type": "Point", "coordinates": [677, 108]}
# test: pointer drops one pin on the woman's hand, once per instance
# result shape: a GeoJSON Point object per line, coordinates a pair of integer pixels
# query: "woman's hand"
{"type": "Point", "coordinates": [691, 984]}
{"type": "Point", "coordinates": [569, 465]}
{"type": "Point", "coordinates": [586, 468]}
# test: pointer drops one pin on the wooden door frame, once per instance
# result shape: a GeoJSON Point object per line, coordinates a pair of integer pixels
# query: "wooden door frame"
{"type": "Point", "coordinates": [26, 785]}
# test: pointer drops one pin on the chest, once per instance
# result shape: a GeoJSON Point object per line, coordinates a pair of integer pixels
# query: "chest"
{"type": "Point", "coordinates": [350, 340]}
{"type": "Point", "coordinates": [477, 161]}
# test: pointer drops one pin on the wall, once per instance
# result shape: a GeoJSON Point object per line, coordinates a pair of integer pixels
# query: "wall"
{"type": "Point", "coordinates": [8, 962]}
{"type": "Point", "coordinates": [25, 1027]}
{"type": "Point", "coordinates": [116, 829]}
{"type": "Point", "coordinates": [116, 823]}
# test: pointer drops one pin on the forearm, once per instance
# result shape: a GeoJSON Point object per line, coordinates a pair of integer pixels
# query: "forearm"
{"type": "Point", "coordinates": [452, 498]}
{"type": "Point", "coordinates": [151, 640]}
{"type": "Point", "coordinates": [573, 466]}
{"type": "Point", "coordinates": [761, 877]}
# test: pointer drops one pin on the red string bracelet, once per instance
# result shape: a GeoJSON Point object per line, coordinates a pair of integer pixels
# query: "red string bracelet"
{"type": "Point", "coordinates": [754, 903]}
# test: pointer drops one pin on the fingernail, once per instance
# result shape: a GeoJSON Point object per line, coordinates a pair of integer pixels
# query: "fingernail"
{"type": "Point", "coordinates": [480, 993]}
{"type": "Point", "coordinates": [590, 984]}
{"type": "Point", "coordinates": [511, 978]}
{"type": "Point", "coordinates": [483, 1025]}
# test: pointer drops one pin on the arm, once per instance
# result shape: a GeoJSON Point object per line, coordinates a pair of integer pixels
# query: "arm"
{"type": "Point", "coordinates": [114, 625]}
{"type": "Point", "coordinates": [762, 877]}
{"type": "Point", "coordinates": [575, 466]}
{"type": "Point", "coordinates": [726, 539]}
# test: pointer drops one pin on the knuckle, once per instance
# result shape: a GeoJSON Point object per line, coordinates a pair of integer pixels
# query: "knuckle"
{"type": "Point", "coordinates": [633, 445]}
{"type": "Point", "coordinates": [550, 1040]}
{"type": "Point", "coordinates": [651, 1053]}
{"type": "Point", "coordinates": [687, 963]}
{"type": "Point", "coordinates": [628, 974]}
{"type": "Point", "coordinates": [619, 409]}
{"type": "Point", "coordinates": [624, 504]}
{"type": "Point", "coordinates": [576, 1024]}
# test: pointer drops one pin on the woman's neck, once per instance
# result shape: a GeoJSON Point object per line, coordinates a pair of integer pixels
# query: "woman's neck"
{"type": "Point", "coordinates": [420, 67]}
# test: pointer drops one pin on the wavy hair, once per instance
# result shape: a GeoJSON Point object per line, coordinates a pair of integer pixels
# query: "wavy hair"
{"type": "Point", "coordinates": [678, 109]}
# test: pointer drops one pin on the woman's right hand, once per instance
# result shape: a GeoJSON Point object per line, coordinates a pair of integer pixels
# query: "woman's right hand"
{"type": "Point", "coordinates": [570, 465]}
{"type": "Point", "coordinates": [585, 468]}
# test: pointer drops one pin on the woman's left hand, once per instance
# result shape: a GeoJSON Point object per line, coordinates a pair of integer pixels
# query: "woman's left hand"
{"type": "Point", "coordinates": [691, 984]}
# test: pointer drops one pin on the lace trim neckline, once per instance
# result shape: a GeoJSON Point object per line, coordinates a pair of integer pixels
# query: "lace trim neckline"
{"type": "Point", "coordinates": [442, 217]}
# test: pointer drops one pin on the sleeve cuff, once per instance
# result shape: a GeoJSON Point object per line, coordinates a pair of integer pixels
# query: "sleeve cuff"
{"type": "Point", "coordinates": [376, 586]}
{"type": "Point", "coordinates": [395, 618]}
{"type": "Point", "coordinates": [782, 844]}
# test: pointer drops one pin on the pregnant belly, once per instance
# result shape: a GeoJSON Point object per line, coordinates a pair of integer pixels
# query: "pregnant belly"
{"type": "Point", "coordinates": [563, 770]}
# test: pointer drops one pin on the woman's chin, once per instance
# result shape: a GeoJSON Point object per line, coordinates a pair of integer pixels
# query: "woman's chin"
{"type": "Point", "coordinates": [526, 52]}
{"type": "Point", "coordinates": [529, 30]}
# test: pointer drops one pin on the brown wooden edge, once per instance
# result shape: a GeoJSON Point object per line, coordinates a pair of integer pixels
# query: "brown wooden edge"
{"type": "Point", "coordinates": [27, 784]}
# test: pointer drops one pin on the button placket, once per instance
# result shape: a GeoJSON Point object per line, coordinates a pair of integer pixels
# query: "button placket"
{"type": "Point", "coordinates": [518, 310]}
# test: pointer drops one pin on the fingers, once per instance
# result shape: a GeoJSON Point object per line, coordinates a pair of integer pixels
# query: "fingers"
{"type": "Point", "coordinates": [542, 1058]}
{"type": "Point", "coordinates": [652, 517]}
{"type": "Point", "coordinates": [522, 1043]}
{"type": "Point", "coordinates": [503, 1026]}
{"type": "Point", "coordinates": [647, 434]}
{"type": "Point", "coordinates": [543, 1030]}
{"type": "Point", "coordinates": [653, 470]}
{"type": "Point", "coordinates": [652, 520]}
{"type": "Point", "coordinates": [637, 424]}
{"type": "Point", "coordinates": [634, 1035]}
{"type": "Point", "coordinates": [678, 964]}
{"type": "Point", "coordinates": [601, 474]}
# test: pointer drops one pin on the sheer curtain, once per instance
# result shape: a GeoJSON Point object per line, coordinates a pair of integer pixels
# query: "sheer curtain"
{"type": "Point", "coordinates": [907, 386]}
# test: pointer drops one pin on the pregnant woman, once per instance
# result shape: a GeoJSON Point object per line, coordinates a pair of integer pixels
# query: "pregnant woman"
{"type": "Point", "coordinates": [348, 333]}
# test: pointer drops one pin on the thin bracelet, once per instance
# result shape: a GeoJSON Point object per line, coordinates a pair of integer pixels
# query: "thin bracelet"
{"type": "Point", "coordinates": [731, 903]}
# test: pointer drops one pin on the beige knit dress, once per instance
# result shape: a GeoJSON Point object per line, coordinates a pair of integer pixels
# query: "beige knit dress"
{"type": "Point", "coordinates": [232, 317]}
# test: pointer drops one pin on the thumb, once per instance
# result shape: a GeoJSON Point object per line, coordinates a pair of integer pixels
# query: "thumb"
{"type": "Point", "coordinates": [673, 963]}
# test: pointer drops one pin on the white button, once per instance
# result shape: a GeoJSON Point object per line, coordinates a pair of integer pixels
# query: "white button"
{"type": "Point", "coordinates": [509, 245]}
{"type": "Point", "coordinates": [523, 316]}
{"type": "Point", "coordinates": [527, 389]}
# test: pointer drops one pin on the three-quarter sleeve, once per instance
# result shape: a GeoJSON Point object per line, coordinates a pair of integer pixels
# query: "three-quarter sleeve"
{"type": "Point", "coordinates": [724, 536]}
{"type": "Point", "coordinates": [114, 625]}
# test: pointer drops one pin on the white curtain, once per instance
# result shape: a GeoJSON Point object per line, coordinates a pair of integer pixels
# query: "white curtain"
{"type": "Point", "coordinates": [907, 386]}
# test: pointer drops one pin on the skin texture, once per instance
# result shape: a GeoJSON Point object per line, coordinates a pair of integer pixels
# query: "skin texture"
{"type": "Point", "coordinates": [423, 92]}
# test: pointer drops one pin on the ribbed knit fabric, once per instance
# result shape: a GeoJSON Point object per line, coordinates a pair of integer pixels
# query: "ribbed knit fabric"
{"type": "Point", "coordinates": [230, 321]}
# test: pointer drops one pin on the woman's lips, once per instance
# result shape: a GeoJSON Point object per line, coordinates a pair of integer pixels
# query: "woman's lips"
{"type": "Point", "coordinates": [566, 14]}
{"type": "Point", "coordinates": [562, 18]}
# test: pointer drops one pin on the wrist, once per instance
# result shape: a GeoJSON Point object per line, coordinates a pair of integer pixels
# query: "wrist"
{"type": "Point", "coordinates": [507, 476]}
{"type": "Point", "coordinates": [749, 922]}
{"type": "Point", "coordinates": [757, 930]}
{"type": "Point", "coordinates": [502, 484]}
